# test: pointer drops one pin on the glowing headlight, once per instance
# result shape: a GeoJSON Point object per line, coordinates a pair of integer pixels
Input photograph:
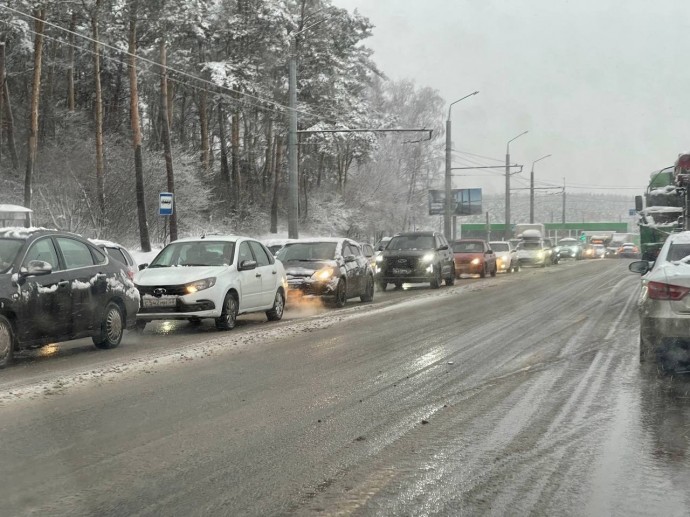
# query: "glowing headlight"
{"type": "Point", "coordinates": [540, 254]}
{"type": "Point", "coordinates": [200, 285]}
{"type": "Point", "coordinates": [323, 275]}
{"type": "Point", "coordinates": [379, 258]}
{"type": "Point", "coordinates": [475, 261]}
{"type": "Point", "coordinates": [429, 257]}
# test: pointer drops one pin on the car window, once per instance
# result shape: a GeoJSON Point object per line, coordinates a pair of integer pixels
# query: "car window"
{"type": "Point", "coordinates": [9, 249]}
{"type": "Point", "coordinates": [195, 253]}
{"type": "Point", "coordinates": [354, 250]}
{"type": "Point", "coordinates": [118, 255]}
{"type": "Point", "coordinates": [99, 256]}
{"type": "Point", "coordinates": [76, 254]}
{"type": "Point", "coordinates": [468, 247]}
{"type": "Point", "coordinates": [411, 242]}
{"type": "Point", "coordinates": [500, 246]}
{"type": "Point", "coordinates": [367, 250]}
{"type": "Point", "coordinates": [244, 253]}
{"type": "Point", "coordinates": [307, 251]}
{"type": "Point", "coordinates": [259, 253]}
{"type": "Point", "coordinates": [44, 250]}
{"type": "Point", "coordinates": [678, 252]}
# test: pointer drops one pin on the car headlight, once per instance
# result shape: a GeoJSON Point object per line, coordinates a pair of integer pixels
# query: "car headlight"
{"type": "Point", "coordinates": [323, 275]}
{"type": "Point", "coordinates": [540, 254]}
{"type": "Point", "coordinates": [429, 257]}
{"type": "Point", "coordinates": [475, 261]}
{"type": "Point", "coordinates": [199, 285]}
{"type": "Point", "coordinates": [379, 258]}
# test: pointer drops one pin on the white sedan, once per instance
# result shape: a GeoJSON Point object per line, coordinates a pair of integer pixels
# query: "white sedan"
{"type": "Point", "coordinates": [664, 305]}
{"type": "Point", "coordinates": [214, 277]}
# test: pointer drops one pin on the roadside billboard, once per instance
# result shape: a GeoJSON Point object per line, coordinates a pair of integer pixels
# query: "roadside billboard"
{"type": "Point", "coordinates": [464, 201]}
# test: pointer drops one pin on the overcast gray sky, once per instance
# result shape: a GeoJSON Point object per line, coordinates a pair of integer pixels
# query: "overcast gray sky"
{"type": "Point", "coordinates": [600, 84]}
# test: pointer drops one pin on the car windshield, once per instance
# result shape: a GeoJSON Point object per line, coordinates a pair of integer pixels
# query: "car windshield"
{"type": "Point", "coordinates": [195, 253]}
{"type": "Point", "coordinates": [529, 246]}
{"type": "Point", "coordinates": [468, 247]}
{"type": "Point", "coordinates": [500, 246]}
{"type": "Point", "coordinates": [307, 252]}
{"type": "Point", "coordinates": [411, 242]}
{"type": "Point", "coordinates": [8, 253]}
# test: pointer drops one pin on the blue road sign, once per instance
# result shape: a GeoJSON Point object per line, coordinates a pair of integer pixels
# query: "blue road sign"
{"type": "Point", "coordinates": [165, 203]}
{"type": "Point", "coordinates": [632, 211]}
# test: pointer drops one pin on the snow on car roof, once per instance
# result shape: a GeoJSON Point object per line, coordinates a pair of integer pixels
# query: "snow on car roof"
{"type": "Point", "coordinates": [680, 237]}
{"type": "Point", "coordinates": [108, 244]}
{"type": "Point", "coordinates": [19, 232]}
{"type": "Point", "coordinates": [276, 242]}
{"type": "Point", "coordinates": [662, 209]}
{"type": "Point", "coordinates": [229, 238]}
{"type": "Point", "coordinates": [314, 239]}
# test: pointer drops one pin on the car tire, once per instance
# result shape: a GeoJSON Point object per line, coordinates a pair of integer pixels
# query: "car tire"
{"type": "Point", "coordinates": [483, 273]}
{"type": "Point", "coordinates": [228, 316]}
{"type": "Point", "coordinates": [494, 270]}
{"type": "Point", "coordinates": [450, 279]}
{"type": "Point", "coordinates": [382, 286]}
{"type": "Point", "coordinates": [112, 327]}
{"type": "Point", "coordinates": [437, 280]}
{"type": "Point", "coordinates": [340, 298]}
{"type": "Point", "coordinates": [398, 285]}
{"type": "Point", "coordinates": [7, 341]}
{"type": "Point", "coordinates": [139, 326]}
{"type": "Point", "coordinates": [368, 294]}
{"type": "Point", "coordinates": [276, 312]}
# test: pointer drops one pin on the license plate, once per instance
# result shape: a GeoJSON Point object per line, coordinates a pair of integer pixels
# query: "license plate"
{"type": "Point", "coordinates": [163, 301]}
{"type": "Point", "coordinates": [398, 271]}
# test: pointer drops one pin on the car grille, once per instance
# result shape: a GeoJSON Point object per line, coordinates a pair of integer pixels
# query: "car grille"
{"type": "Point", "coordinates": [174, 290]}
{"type": "Point", "coordinates": [401, 262]}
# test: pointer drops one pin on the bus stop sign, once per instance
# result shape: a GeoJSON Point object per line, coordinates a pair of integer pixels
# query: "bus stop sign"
{"type": "Point", "coordinates": [165, 203]}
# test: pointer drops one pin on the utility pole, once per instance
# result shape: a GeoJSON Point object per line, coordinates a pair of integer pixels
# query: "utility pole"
{"type": "Point", "coordinates": [448, 202]}
{"type": "Point", "coordinates": [531, 189]}
{"type": "Point", "coordinates": [293, 180]}
{"type": "Point", "coordinates": [563, 214]}
{"type": "Point", "coordinates": [507, 217]}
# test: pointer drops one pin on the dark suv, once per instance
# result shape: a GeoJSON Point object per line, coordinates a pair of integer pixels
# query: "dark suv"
{"type": "Point", "coordinates": [416, 257]}
{"type": "Point", "coordinates": [56, 286]}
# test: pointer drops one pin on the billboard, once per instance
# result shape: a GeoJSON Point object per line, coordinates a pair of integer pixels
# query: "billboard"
{"type": "Point", "coordinates": [465, 201]}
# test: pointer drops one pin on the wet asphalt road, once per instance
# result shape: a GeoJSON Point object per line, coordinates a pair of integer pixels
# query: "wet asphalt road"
{"type": "Point", "coordinates": [529, 384]}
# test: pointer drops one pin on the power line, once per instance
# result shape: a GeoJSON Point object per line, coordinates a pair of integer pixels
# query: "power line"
{"type": "Point", "coordinates": [151, 62]}
{"type": "Point", "coordinates": [478, 155]}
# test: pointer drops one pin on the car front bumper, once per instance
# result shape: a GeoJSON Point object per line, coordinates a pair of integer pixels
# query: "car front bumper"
{"type": "Point", "coordinates": [207, 303]}
{"type": "Point", "coordinates": [469, 269]}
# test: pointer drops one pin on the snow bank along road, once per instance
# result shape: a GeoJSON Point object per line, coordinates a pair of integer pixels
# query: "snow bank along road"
{"type": "Point", "coordinates": [515, 395]}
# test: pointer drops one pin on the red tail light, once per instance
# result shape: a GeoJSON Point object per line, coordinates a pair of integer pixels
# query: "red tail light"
{"type": "Point", "coordinates": [661, 291]}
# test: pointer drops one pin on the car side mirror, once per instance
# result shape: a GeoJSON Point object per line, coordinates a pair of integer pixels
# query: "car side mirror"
{"type": "Point", "coordinates": [36, 268]}
{"type": "Point", "coordinates": [443, 248]}
{"type": "Point", "coordinates": [247, 265]}
{"type": "Point", "coordinates": [143, 266]}
{"type": "Point", "coordinates": [639, 266]}
{"type": "Point", "coordinates": [349, 258]}
{"type": "Point", "coordinates": [488, 252]}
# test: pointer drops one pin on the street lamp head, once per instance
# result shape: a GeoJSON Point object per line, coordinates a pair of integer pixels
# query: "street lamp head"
{"type": "Point", "coordinates": [461, 99]}
{"type": "Point", "coordinates": [508, 144]}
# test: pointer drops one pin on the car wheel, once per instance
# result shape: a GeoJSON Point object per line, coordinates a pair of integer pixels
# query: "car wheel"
{"type": "Point", "coordinates": [382, 286]}
{"type": "Point", "coordinates": [112, 327]}
{"type": "Point", "coordinates": [483, 273]}
{"type": "Point", "coordinates": [450, 279]}
{"type": "Point", "coordinates": [398, 285]}
{"type": "Point", "coordinates": [7, 341]}
{"type": "Point", "coordinates": [437, 280]}
{"type": "Point", "coordinates": [340, 294]}
{"type": "Point", "coordinates": [368, 294]}
{"type": "Point", "coordinates": [494, 270]}
{"type": "Point", "coordinates": [139, 326]}
{"type": "Point", "coordinates": [228, 316]}
{"type": "Point", "coordinates": [276, 313]}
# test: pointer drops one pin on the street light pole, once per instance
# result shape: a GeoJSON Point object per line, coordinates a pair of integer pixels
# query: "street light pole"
{"type": "Point", "coordinates": [531, 189]}
{"type": "Point", "coordinates": [563, 214]}
{"type": "Point", "coordinates": [507, 218]}
{"type": "Point", "coordinates": [448, 212]}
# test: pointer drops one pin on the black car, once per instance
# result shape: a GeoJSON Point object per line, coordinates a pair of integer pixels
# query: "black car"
{"type": "Point", "coordinates": [56, 286]}
{"type": "Point", "coordinates": [416, 257]}
{"type": "Point", "coordinates": [333, 269]}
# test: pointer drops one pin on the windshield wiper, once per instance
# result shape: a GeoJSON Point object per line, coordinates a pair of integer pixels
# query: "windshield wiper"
{"type": "Point", "coordinates": [157, 265]}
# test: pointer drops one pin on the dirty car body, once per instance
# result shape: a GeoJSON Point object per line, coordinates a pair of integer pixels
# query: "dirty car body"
{"type": "Point", "coordinates": [331, 268]}
{"type": "Point", "coordinates": [56, 286]}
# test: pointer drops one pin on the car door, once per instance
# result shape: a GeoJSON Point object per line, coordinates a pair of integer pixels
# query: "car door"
{"type": "Point", "coordinates": [446, 257]}
{"type": "Point", "coordinates": [85, 267]}
{"type": "Point", "coordinates": [45, 300]}
{"type": "Point", "coordinates": [267, 270]}
{"type": "Point", "coordinates": [250, 280]}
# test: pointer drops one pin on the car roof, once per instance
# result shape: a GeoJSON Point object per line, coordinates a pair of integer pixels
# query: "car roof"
{"type": "Point", "coordinates": [107, 244]}
{"type": "Point", "coordinates": [325, 239]}
{"type": "Point", "coordinates": [228, 238]}
{"type": "Point", "coordinates": [470, 240]}
{"type": "Point", "coordinates": [19, 232]}
{"type": "Point", "coordinates": [405, 234]}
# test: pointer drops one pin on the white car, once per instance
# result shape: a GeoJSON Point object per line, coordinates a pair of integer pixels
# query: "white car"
{"type": "Point", "coordinates": [506, 256]}
{"type": "Point", "coordinates": [214, 277]}
{"type": "Point", "coordinates": [664, 305]}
